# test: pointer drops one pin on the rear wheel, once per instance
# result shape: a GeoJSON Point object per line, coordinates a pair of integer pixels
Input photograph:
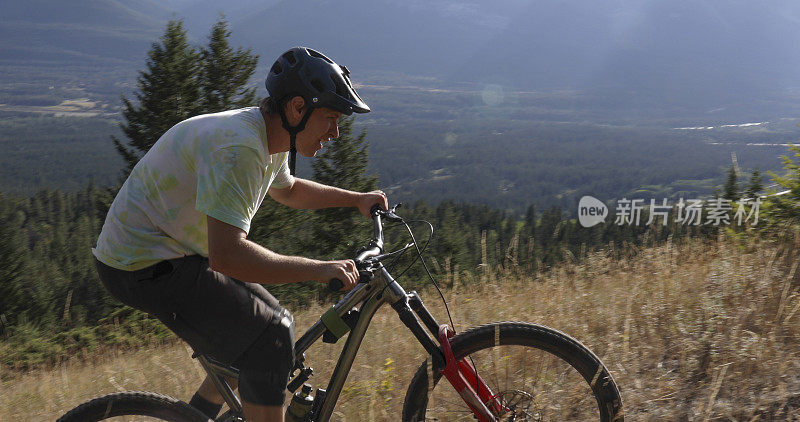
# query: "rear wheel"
{"type": "Point", "coordinates": [134, 406]}
{"type": "Point", "coordinates": [535, 372]}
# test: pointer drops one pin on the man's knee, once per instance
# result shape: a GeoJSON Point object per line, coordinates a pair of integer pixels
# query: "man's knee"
{"type": "Point", "coordinates": [266, 365]}
{"type": "Point", "coordinates": [254, 412]}
{"type": "Point", "coordinates": [265, 389]}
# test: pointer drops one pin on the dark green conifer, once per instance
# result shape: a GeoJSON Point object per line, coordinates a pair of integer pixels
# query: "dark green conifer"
{"type": "Point", "coordinates": [225, 72]}
{"type": "Point", "coordinates": [756, 184]}
{"type": "Point", "coordinates": [731, 189]}
{"type": "Point", "coordinates": [784, 210]}
{"type": "Point", "coordinates": [168, 93]}
{"type": "Point", "coordinates": [14, 261]}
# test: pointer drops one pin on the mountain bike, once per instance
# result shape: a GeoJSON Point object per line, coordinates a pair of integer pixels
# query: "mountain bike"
{"type": "Point", "coordinates": [501, 371]}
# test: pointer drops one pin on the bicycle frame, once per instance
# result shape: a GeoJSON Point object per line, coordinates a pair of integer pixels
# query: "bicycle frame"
{"type": "Point", "coordinates": [380, 290]}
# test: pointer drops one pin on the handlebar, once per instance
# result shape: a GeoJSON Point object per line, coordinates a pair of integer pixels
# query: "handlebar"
{"type": "Point", "coordinates": [335, 285]}
{"type": "Point", "coordinates": [375, 247]}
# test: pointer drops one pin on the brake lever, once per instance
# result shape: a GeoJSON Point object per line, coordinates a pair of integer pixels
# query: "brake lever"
{"type": "Point", "coordinates": [387, 214]}
{"type": "Point", "coordinates": [391, 216]}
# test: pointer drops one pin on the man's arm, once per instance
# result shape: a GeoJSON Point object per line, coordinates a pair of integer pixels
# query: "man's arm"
{"type": "Point", "coordinates": [230, 253]}
{"type": "Point", "coordinates": [306, 194]}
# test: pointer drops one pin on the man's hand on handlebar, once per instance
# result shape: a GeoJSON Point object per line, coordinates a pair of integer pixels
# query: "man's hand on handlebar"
{"type": "Point", "coordinates": [368, 199]}
{"type": "Point", "coordinates": [344, 270]}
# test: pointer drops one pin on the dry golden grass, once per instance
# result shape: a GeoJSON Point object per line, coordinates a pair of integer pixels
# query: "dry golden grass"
{"type": "Point", "coordinates": [699, 331]}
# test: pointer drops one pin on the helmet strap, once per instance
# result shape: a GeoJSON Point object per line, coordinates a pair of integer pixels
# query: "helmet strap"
{"type": "Point", "coordinates": [293, 131]}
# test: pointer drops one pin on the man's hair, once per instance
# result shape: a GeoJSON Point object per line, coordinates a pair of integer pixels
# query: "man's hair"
{"type": "Point", "coordinates": [269, 105]}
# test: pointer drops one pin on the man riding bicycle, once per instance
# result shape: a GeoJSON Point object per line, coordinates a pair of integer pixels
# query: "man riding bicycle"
{"type": "Point", "coordinates": [174, 243]}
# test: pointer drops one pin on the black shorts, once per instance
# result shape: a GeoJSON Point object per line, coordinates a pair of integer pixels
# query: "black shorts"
{"type": "Point", "coordinates": [217, 315]}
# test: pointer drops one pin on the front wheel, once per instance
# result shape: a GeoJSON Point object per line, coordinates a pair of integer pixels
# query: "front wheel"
{"type": "Point", "coordinates": [134, 406]}
{"type": "Point", "coordinates": [534, 372]}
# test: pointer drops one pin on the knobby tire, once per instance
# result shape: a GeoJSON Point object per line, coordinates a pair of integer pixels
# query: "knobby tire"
{"type": "Point", "coordinates": [537, 373]}
{"type": "Point", "coordinates": [156, 406]}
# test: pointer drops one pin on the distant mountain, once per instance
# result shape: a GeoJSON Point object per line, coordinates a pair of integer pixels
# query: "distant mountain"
{"type": "Point", "coordinates": [414, 37]}
{"type": "Point", "coordinates": [92, 13]}
{"type": "Point", "coordinates": [704, 52]}
{"type": "Point", "coordinates": [674, 49]}
{"type": "Point", "coordinates": [199, 15]}
{"type": "Point", "coordinates": [78, 31]}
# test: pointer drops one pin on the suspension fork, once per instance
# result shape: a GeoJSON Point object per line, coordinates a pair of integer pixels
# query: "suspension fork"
{"type": "Point", "coordinates": [465, 379]}
{"type": "Point", "coordinates": [461, 374]}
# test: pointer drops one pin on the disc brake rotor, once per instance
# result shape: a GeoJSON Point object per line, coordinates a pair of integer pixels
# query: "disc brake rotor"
{"type": "Point", "coordinates": [519, 406]}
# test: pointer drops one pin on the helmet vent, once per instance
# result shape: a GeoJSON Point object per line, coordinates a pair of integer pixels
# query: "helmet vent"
{"type": "Point", "coordinates": [318, 85]}
{"type": "Point", "coordinates": [289, 56]}
{"type": "Point", "coordinates": [319, 55]}
{"type": "Point", "coordinates": [340, 90]}
{"type": "Point", "coordinates": [347, 81]}
{"type": "Point", "coordinates": [276, 68]}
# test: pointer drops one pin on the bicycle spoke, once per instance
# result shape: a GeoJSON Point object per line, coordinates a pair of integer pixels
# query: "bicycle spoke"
{"type": "Point", "coordinates": [529, 384]}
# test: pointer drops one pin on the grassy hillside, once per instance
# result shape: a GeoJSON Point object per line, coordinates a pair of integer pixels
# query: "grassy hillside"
{"type": "Point", "coordinates": [695, 331]}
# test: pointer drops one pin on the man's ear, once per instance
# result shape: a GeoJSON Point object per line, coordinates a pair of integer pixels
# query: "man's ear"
{"type": "Point", "coordinates": [295, 109]}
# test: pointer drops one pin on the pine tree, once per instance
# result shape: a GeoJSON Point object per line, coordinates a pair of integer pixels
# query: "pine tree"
{"type": "Point", "coordinates": [14, 260]}
{"type": "Point", "coordinates": [528, 250]}
{"type": "Point", "coordinates": [225, 72]}
{"type": "Point", "coordinates": [784, 210]}
{"type": "Point", "coordinates": [550, 232]}
{"type": "Point", "coordinates": [343, 163]}
{"type": "Point", "coordinates": [756, 185]}
{"type": "Point", "coordinates": [168, 93]}
{"type": "Point", "coordinates": [731, 189]}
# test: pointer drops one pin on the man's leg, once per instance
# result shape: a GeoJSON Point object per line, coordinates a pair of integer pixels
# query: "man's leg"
{"type": "Point", "coordinates": [235, 322]}
{"type": "Point", "coordinates": [213, 400]}
{"type": "Point", "coordinates": [265, 369]}
{"type": "Point", "coordinates": [208, 399]}
{"type": "Point", "coordinates": [258, 413]}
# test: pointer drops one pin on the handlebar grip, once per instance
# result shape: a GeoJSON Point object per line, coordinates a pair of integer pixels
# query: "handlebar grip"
{"type": "Point", "coordinates": [335, 285]}
{"type": "Point", "coordinates": [375, 208]}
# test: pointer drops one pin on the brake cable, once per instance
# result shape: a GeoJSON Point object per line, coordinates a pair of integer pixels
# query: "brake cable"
{"type": "Point", "coordinates": [392, 264]}
{"type": "Point", "coordinates": [419, 257]}
{"type": "Point", "coordinates": [424, 265]}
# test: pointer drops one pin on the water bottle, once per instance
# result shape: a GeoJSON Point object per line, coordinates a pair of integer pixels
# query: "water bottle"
{"type": "Point", "coordinates": [300, 407]}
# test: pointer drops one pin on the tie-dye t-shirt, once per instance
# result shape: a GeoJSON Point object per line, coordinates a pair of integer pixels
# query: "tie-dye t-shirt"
{"type": "Point", "coordinates": [214, 165]}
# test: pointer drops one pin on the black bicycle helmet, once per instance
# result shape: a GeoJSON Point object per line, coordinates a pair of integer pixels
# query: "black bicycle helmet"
{"type": "Point", "coordinates": [308, 73]}
{"type": "Point", "coordinates": [321, 82]}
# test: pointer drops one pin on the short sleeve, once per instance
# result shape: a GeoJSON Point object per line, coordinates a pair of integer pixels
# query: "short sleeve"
{"type": "Point", "coordinates": [229, 186]}
{"type": "Point", "coordinates": [283, 179]}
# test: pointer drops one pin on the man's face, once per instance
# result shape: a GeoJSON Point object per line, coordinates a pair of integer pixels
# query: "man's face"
{"type": "Point", "coordinates": [321, 127]}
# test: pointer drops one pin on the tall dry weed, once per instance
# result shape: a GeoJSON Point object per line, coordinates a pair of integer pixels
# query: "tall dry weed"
{"type": "Point", "coordinates": [692, 331]}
